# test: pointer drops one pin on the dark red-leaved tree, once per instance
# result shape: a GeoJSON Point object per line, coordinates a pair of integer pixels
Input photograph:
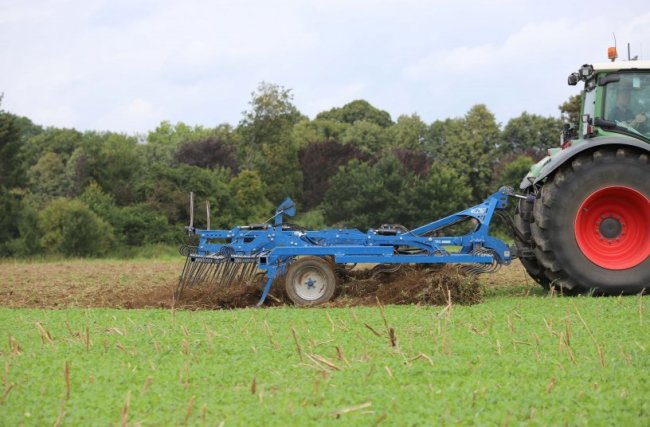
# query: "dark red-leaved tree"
{"type": "Point", "coordinates": [414, 161]}
{"type": "Point", "coordinates": [208, 153]}
{"type": "Point", "coordinates": [319, 162]}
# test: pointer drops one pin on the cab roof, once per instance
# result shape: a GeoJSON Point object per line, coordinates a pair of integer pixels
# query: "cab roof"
{"type": "Point", "coordinates": [621, 65]}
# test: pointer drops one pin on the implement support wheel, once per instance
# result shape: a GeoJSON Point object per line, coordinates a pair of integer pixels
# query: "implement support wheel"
{"type": "Point", "coordinates": [310, 281]}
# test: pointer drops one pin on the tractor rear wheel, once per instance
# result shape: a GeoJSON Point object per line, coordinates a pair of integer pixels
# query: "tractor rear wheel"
{"type": "Point", "coordinates": [591, 225]}
{"type": "Point", "coordinates": [523, 241]}
{"type": "Point", "coordinates": [310, 281]}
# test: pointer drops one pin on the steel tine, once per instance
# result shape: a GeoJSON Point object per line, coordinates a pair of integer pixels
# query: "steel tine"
{"type": "Point", "coordinates": [223, 274]}
{"type": "Point", "coordinates": [209, 272]}
{"type": "Point", "coordinates": [230, 270]}
{"type": "Point", "coordinates": [238, 273]}
{"type": "Point", "coordinates": [187, 261]}
{"type": "Point", "coordinates": [252, 268]}
{"type": "Point", "coordinates": [223, 270]}
{"type": "Point", "coordinates": [189, 271]}
{"type": "Point", "coordinates": [182, 281]}
{"type": "Point", "coordinates": [215, 271]}
{"type": "Point", "coordinates": [219, 273]}
{"type": "Point", "coordinates": [188, 268]}
{"type": "Point", "coordinates": [246, 272]}
{"type": "Point", "coordinates": [206, 273]}
{"type": "Point", "coordinates": [243, 276]}
{"type": "Point", "coordinates": [233, 273]}
{"type": "Point", "coordinates": [191, 276]}
{"type": "Point", "coordinates": [197, 273]}
{"type": "Point", "coordinates": [241, 266]}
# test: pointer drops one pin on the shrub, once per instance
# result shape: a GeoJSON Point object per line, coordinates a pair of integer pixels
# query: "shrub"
{"type": "Point", "coordinates": [70, 228]}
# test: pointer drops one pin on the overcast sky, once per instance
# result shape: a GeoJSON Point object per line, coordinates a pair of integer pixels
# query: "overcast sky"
{"type": "Point", "coordinates": [126, 65]}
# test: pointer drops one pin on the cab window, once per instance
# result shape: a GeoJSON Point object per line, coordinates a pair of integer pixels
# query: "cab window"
{"type": "Point", "coordinates": [627, 102]}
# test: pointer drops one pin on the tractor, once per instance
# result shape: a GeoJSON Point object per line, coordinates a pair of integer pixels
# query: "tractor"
{"type": "Point", "coordinates": [582, 223]}
{"type": "Point", "coordinates": [585, 223]}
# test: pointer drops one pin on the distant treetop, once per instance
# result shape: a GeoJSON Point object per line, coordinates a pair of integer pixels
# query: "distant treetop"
{"type": "Point", "coordinates": [355, 111]}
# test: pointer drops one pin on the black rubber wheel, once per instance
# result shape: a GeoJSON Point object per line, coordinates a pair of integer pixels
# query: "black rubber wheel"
{"type": "Point", "coordinates": [310, 281]}
{"type": "Point", "coordinates": [591, 225]}
{"type": "Point", "coordinates": [524, 242]}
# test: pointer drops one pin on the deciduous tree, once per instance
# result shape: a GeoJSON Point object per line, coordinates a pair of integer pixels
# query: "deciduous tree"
{"type": "Point", "coordinates": [10, 144]}
{"type": "Point", "coordinates": [249, 198]}
{"type": "Point", "coordinates": [270, 117]}
{"type": "Point", "coordinates": [47, 177]}
{"type": "Point", "coordinates": [571, 110]}
{"type": "Point", "coordinates": [115, 161]}
{"type": "Point", "coordinates": [355, 111]}
{"type": "Point", "coordinates": [408, 133]}
{"type": "Point", "coordinates": [367, 136]}
{"type": "Point", "coordinates": [363, 196]}
{"type": "Point", "coordinates": [469, 145]}
{"type": "Point", "coordinates": [530, 134]}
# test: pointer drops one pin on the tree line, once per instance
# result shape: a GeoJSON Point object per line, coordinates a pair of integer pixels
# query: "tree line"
{"type": "Point", "coordinates": [75, 193]}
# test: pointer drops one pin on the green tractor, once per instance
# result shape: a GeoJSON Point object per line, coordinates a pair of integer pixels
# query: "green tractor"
{"type": "Point", "coordinates": [585, 225]}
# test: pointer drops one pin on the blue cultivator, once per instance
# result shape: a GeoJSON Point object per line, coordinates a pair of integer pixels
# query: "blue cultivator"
{"type": "Point", "coordinates": [307, 259]}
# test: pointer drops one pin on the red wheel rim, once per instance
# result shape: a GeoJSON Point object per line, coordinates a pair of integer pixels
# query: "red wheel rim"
{"type": "Point", "coordinates": [612, 228]}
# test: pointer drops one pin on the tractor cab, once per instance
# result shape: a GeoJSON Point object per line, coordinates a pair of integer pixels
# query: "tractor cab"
{"type": "Point", "coordinates": [615, 109]}
{"type": "Point", "coordinates": [616, 99]}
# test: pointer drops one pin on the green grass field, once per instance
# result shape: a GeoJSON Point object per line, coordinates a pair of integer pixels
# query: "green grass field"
{"type": "Point", "coordinates": [513, 359]}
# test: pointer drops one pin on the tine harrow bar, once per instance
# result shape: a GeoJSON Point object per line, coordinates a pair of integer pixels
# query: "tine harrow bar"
{"type": "Point", "coordinates": [217, 270]}
{"type": "Point", "coordinates": [307, 259]}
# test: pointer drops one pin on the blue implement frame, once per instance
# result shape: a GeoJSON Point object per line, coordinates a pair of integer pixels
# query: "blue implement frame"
{"type": "Point", "coordinates": [274, 246]}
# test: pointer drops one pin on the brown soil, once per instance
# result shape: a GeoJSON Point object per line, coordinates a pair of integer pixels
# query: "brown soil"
{"type": "Point", "coordinates": [151, 284]}
{"type": "Point", "coordinates": [409, 285]}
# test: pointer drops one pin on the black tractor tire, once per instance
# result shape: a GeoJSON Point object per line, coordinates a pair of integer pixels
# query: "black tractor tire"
{"type": "Point", "coordinates": [591, 224]}
{"type": "Point", "coordinates": [524, 242]}
{"type": "Point", "coordinates": [310, 281]}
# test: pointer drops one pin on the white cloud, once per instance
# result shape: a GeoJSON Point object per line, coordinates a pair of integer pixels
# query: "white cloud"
{"type": "Point", "coordinates": [323, 98]}
{"type": "Point", "coordinates": [86, 64]}
{"type": "Point", "coordinates": [534, 43]}
{"type": "Point", "coordinates": [525, 71]}
{"type": "Point", "coordinates": [130, 116]}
